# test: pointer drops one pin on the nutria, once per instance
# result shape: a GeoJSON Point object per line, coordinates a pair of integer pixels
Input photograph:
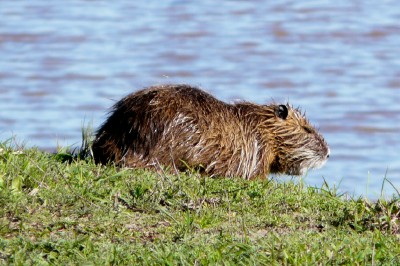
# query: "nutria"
{"type": "Point", "coordinates": [180, 126]}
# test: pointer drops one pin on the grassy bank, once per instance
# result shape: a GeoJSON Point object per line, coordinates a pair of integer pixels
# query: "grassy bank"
{"type": "Point", "coordinates": [59, 212]}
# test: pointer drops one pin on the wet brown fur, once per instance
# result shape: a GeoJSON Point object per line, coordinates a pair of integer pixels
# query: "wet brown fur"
{"type": "Point", "coordinates": [180, 126]}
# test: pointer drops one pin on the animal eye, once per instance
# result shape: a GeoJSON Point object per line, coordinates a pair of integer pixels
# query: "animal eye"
{"type": "Point", "coordinates": [282, 111]}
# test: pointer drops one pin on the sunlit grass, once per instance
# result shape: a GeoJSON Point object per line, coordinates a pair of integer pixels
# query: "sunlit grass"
{"type": "Point", "coordinates": [62, 208]}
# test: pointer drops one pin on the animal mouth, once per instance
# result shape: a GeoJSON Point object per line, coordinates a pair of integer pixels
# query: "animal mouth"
{"type": "Point", "coordinates": [310, 161]}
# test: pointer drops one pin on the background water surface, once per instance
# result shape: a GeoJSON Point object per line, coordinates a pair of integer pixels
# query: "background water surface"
{"type": "Point", "coordinates": [63, 63]}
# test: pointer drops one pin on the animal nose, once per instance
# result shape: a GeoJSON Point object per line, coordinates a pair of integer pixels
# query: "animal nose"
{"type": "Point", "coordinates": [328, 153]}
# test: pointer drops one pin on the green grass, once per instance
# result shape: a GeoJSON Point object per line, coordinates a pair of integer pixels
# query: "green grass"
{"type": "Point", "coordinates": [58, 209]}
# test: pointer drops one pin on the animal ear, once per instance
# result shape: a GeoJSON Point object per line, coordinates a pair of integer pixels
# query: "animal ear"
{"type": "Point", "coordinates": [282, 111]}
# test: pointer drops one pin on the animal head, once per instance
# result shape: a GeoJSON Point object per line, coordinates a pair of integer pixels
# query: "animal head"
{"type": "Point", "coordinates": [297, 145]}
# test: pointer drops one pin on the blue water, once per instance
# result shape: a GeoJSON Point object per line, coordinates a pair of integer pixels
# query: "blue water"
{"type": "Point", "coordinates": [62, 65]}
